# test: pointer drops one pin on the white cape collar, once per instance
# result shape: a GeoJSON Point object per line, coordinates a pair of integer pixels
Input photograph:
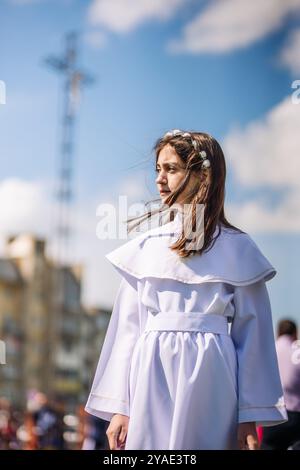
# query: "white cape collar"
{"type": "Point", "coordinates": [234, 258]}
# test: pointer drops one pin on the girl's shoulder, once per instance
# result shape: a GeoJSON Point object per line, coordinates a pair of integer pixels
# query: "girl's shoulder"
{"type": "Point", "coordinates": [234, 258]}
{"type": "Point", "coordinates": [238, 240]}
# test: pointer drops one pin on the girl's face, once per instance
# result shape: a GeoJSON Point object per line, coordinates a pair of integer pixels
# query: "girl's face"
{"type": "Point", "coordinates": [170, 174]}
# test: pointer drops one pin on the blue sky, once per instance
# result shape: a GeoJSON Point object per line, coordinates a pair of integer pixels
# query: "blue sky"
{"type": "Point", "coordinates": [143, 88]}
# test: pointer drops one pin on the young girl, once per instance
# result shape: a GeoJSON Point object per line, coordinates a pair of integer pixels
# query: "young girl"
{"type": "Point", "coordinates": [189, 358]}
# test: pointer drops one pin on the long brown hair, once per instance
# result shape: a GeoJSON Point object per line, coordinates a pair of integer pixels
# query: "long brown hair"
{"type": "Point", "coordinates": [208, 190]}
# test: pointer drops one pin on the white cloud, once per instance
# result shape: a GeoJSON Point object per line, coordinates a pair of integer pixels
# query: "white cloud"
{"type": "Point", "coordinates": [224, 26]}
{"type": "Point", "coordinates": [23, 206]}
{"type": "Point", "coordinates": [122, 16]}
{"type": "Point", "coordinates": [266, 154]}
{"type": "Point", "coordinates": [254, 216]}
{"type": "Point", "coordinates": [267, 151]}
{"type": "Point", "coordinates": [290, 54]}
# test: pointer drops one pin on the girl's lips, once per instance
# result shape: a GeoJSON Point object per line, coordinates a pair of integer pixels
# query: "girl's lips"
{"type": "Point", "coordinates": [164, 192]}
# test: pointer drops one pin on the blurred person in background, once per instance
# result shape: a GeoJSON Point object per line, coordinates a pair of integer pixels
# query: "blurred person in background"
{"type": "Point", "coordinates": [47, 420]}
{"type": "Point", "coordinates": [9, 423]}
{"type": "Point", "coordinates": [286, 435]}
{"type": "Point", "coordinates": [95, 434]}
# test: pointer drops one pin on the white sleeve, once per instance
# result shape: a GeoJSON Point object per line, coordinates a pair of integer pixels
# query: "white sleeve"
{"type": "Point", "coordinates": [110, 389]}
{"type": "Point", "coordinates": [260, 393]}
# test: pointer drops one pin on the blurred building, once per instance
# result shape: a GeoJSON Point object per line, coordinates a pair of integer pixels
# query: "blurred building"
{"type": "Point", "coordinates": [95, 322]}
{"type": "Point", "coordinates": [52, 341]}
{"type": "Point", "coordinates": [65, 337]}
{"type": "Point", "coordinates": [11, 331]}
{"type": "Point", "coordinates": [27, 254]}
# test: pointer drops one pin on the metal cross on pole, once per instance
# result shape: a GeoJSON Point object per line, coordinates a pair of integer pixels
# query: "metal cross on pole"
{"type": "Point", "coordinates": [74, 80]}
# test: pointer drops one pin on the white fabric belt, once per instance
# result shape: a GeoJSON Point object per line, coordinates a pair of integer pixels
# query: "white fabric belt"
{"type": "Point", "coordinates": [183, 321]}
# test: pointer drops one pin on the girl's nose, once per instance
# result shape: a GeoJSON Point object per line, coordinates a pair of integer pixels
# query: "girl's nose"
{"type": "Point", "coordinates": [161, 178]}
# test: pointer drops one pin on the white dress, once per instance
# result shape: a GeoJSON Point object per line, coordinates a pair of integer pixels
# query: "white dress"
{"type": "Point", "coordinates": [171, 362]}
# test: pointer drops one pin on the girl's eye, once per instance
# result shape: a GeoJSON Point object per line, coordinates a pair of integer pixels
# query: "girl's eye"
{"type": "Point", "coordinates": [170, 170]}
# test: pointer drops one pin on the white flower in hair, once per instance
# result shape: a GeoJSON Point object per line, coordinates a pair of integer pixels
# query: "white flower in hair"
{"type": "Point", "coordinates": [206, 164]}
{"type": "Point", "coordinates": [173, 133]}
{"type": "Point", "coordinates": [203, 154]}
{"type": "Point", "coordinates": [194, 144]}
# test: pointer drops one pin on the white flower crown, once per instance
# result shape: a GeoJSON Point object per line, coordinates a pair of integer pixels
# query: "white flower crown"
{"type": "Point", "coordinates": [202, 153]}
